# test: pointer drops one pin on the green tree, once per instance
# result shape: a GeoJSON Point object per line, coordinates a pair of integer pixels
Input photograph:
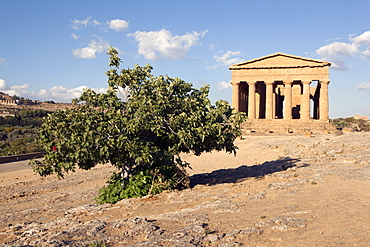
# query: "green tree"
{"type": "Point", "coordinates": [140, 125]}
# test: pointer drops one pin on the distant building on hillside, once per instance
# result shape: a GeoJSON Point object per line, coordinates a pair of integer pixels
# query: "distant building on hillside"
{"type": "Point", "coordinates": [8, 102]}
{"type": "Point", "coordinates": [6, 114]}
{"type": "Point", "coordinates": [5, 99]}
{"type": "Point", "coordinates": [361, 117]}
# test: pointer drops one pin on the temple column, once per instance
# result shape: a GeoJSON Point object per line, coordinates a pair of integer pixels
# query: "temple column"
{"type": "Point", "coordinates": [324, 101]}
{"type": "Point", "coordinates": [269, 100]}
{"type": "Point", "coordinates": [305, 101]}
{"type": "Point", "coordinates": [243, 97]}
{"type": "Point", "coordinates": [275, 102]}
{"type": "Point", "coordinates": [235, 95]}
{"type": "Point", "coordinates": [288, 100]}
{"type": "Point", "coordinates": [252, 100]}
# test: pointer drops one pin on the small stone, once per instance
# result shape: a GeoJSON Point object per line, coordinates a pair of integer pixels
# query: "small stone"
{"type": "Point", "coordinates": [261, 224]}
{"type": "Point", "coordinates": [212, 238]}
{"type": "Point", "coordinates": [233, 232]}
{"type": "Point", "coordinates": [280, 227]}
{"type": "Point", "coordinates": [258, 196]}
{"type": "Point", "coordinates": [287, 222]}
{"type": "Point", "coordinates": [251, 231]}
{"type": "Point", "coordinates": [229, 244]}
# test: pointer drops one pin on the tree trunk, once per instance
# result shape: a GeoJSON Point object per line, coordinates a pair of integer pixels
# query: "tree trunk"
{"type": "Point", "coordinates": [126, 173]}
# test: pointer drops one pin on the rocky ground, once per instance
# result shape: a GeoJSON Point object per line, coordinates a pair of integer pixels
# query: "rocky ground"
{"type": "Point", "coordinates": [278, 191]}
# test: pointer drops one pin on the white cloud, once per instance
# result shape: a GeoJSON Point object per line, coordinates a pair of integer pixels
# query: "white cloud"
{"type": "Point", "coordinates": [14, 90]}
{"type": "Point", "coordinates": [96, 23]}
{"type": "Point", "coordinates": [366, 53]}
{"type": "Point", "coordinates": [226, 59]}
{"type": "Point", "coordinates": [56, 93]}
{"type": "Point", "coordinates": [212, 67]}
{"type": "Point", "coordinates": [337, 38]}
{"type": "Point", "coordinates": [118, 25]}
{"type": "Point", "coordinates": [222, 85]}
{"type": "Point", "coordinates": [75, 36]}
{"type": "Point", "coordinates": [3, 61]}
{"type": "Point", "coordinates": [162, 43]}
{"type": "Point", "coordinates": [336, 51]}
{"type": "Point", "coordinates": [78, 24]}
{"type": "Point", "coordinates": [338, 64]}
{"type": "Point", "coordinates": [60, 93]}
{"type": "Point", "coordinates": [365, 86]}
{"type": "Point", "coordinates": [89, 52]}
{"type": "Point", "coordinates": [3, 85]}
{"type": "Point", "coordinates": [363, 39]}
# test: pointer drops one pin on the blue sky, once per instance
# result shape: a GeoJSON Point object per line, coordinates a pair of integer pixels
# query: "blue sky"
{"type": "Point", "coordinates": [50, 50]}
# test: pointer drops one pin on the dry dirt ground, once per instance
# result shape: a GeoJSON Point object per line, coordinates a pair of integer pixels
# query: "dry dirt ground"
{"type": "Point", "coordinates": [277, 191]}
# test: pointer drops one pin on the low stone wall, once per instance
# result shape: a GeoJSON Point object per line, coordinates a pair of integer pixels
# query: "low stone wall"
{"type": "Point", "coordinates": [12, 158]}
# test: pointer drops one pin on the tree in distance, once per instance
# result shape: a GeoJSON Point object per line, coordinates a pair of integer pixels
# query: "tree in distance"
{"type": "Point", "coordinates": [140, 125]}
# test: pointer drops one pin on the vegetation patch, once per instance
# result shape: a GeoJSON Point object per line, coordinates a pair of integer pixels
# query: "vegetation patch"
{"type": "Point", "coordinates": [352, 123]}
{"type": "Point", "coordinates": [18, 133]}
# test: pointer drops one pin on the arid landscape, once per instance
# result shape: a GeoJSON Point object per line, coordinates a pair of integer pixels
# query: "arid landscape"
{"type": "Point", "coordinates": [277, 191]}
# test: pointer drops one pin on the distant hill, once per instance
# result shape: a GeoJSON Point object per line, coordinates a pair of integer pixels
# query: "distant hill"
{"type": "Point", "coordinates": [5, 96]}
{"type": "Point", "coordinates": [15, 103]}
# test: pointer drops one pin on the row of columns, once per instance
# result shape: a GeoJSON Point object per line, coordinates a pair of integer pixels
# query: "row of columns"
{"type": "Point", "coordinates": [305, 100]}
{"type": "Point", "coordinates": [8, 102]}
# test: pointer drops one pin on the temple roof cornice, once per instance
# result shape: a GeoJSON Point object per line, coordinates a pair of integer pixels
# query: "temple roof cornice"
{"type": "Point", "coordinates": [279, 60]}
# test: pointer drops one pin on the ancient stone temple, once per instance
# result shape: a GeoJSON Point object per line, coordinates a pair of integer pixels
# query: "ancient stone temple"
{"type": "Point", "coordinates": [282, 93]}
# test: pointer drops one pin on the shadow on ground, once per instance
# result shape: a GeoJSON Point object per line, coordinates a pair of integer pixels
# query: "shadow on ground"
{"type": "Point", "coordinates": [234, 175]}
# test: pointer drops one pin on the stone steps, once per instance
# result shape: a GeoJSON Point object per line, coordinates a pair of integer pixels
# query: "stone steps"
{"type": "Point", "coordinates": [282, 126]}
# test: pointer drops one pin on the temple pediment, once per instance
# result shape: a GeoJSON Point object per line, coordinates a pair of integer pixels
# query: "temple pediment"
{"type": "Point", "coordinates": [279, 60]}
